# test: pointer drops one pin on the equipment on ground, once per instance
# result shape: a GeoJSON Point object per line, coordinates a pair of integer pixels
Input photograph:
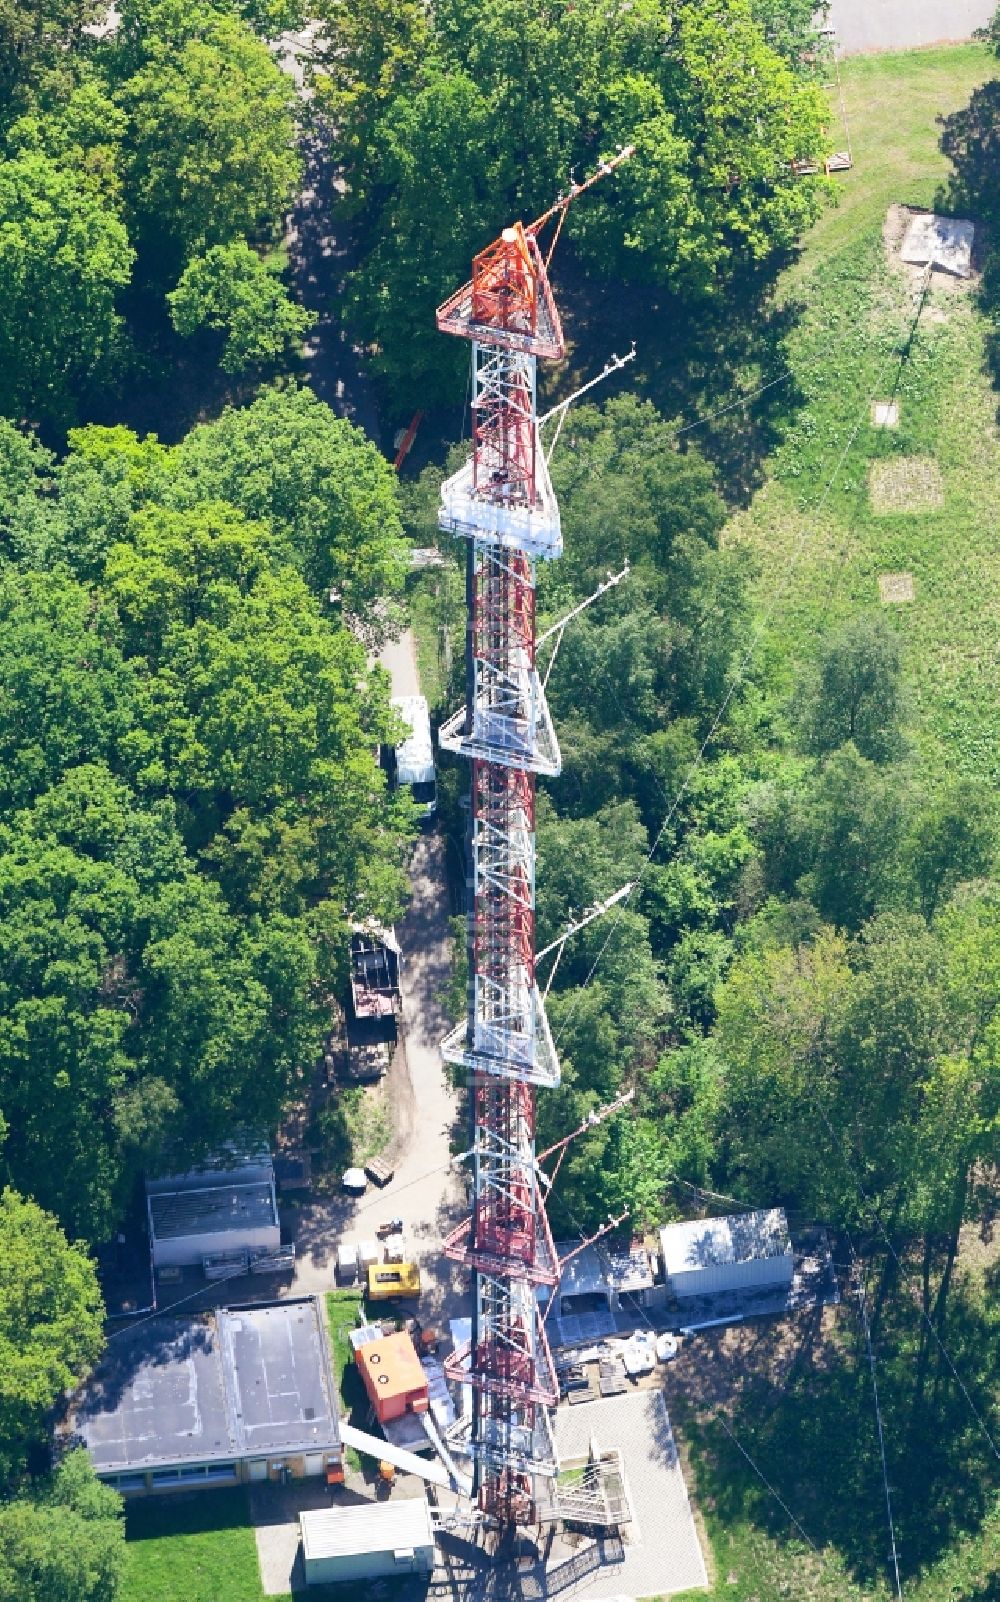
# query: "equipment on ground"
{"type": "Point", "coordinates": [379, 1171]}
{"type": "Point", "coordinates": [667, 1347]}
{"type": "Point", "coordinates": [346, 1271]}
{"type": "Point", "coordinates": [368, 1255]}
{"type": "Point", "coordinates": [367, 1061]}
{"type": "Point", "coordinates": [391, 1226]}
{"type": "Point", "coordinates": [411, 764]}
{"type": "Point", "coordinates": [389, 1280]}
{"type": "Point", "coordinates": [375, 996]}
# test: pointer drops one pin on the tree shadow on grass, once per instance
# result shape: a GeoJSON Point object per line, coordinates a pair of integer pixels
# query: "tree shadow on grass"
{"type": "Point", "coordinates": [815, 1442]}
{"type": "Point", "coordinates": [193, 1513]}
{"type": "Point", "coordinates": [727, 355]}
{"type": "Point", "coordinates": [970, 138]}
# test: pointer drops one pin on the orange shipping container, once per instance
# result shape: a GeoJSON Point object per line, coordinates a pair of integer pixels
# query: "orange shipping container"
{"type": "Point", "coordinates": [393, 1377]}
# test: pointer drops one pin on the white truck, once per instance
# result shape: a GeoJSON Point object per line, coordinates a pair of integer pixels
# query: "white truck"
{"type": "Point", "coordinates": [412, 763]}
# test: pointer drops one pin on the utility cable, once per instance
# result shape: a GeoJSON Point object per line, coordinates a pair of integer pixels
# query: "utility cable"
{"type": "Point", "coordinates": [717, 1414]}
{"type": "Point", "coordinates": [863, 1309]}
{"type": "Point", "coordinates": [876, 1218]}
{"type": "Point", "coordinates": [672, 810]}
{"type": "Point", "coordinates": [737, 680]}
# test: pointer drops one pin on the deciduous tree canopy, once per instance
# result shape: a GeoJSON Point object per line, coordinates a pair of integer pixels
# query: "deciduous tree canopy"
{"type": "Point", "coordinates": [446, 119]}
{"type": "Point", "coordinates": [191, 807]}
{"type": "Point", "coordinates": [51, 1317]}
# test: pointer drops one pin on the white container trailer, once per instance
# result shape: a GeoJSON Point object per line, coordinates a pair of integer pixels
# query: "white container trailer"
{"type": "Point", "coordinates": [744, 1251]}
{"type": "Point", "coordinates": [367, 1542]}
{"type": "Point", "coordinates": [413, 761]}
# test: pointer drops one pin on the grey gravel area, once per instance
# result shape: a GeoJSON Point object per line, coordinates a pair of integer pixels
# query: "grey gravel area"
{"type": "Point", "coordinates": [863, 25]}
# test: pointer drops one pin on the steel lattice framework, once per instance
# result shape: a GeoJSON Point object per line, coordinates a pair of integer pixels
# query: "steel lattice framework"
{"type": "Point", "coordinates": [502, 503]}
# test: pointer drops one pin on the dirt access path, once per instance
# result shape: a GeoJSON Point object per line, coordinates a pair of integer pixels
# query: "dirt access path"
{"type": "Point", "coordinates": [427, 1192]}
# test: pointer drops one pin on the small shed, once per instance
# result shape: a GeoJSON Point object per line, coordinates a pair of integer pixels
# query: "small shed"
{"type": "Point", "coordinates": [368, 1541]}
{"type": "Point", "coordinates": [743, 1251]}
{"type": "Point", "coordinates": [598, 1276]}
{"type": "Point", "coordinates": [393, 1377]}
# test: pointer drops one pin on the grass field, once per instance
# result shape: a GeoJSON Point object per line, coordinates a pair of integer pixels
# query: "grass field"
{"type": "Point", "coordinates": [197, 1549]}
{"type": "Point", "coordinates": [752, 1565]}
{"type": "Point", "coordinates": [341, 1317]}
{"type": "Point", "coordinates": [819, 545]}
{"type": "Point", "coordinates": [819, 552]}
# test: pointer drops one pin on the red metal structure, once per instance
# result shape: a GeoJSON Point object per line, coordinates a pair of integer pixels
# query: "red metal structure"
{"type": "Point", "coordinates": [502, 502]}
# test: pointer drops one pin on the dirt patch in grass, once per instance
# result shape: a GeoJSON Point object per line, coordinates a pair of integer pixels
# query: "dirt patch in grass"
{"type": "Point", "coordinates": [905, 484]}
{"type": "Point", "coordinates": [894, 589]}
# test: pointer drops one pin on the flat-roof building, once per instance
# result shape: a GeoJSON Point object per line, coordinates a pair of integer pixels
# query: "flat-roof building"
{"type": "Point", "coordinates": [599, 1275]}
{"type": "Point", "coordinates": [368, 1541]}
{"type": "Point", "coordinates": [225, 1209]}
{"type": "Point", "coordinates": [244, 1393]}
{"type": "Point", "coordinates": [744, 1250]}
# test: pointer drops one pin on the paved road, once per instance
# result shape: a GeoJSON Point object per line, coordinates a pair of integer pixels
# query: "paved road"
{"type": "Point", "coordinates": [863, 25]}
{"type": "Point", "coordinates": [426, 1192]}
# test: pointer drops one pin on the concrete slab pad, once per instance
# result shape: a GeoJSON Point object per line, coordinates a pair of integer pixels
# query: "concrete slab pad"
{"type": "Point", "coordinates": [885, 414]}
{"type": "Point", "coordinates": [863, 25]}
{"type": "Point", "coordinates": [944, 243]}
{"type": "Point", "coordinates": [662, 1554]}
{"type": "Point", "coordinates": [895, 589]}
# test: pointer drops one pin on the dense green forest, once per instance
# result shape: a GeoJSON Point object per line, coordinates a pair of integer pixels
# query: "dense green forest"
{"type": "Point", "coordinates": [199, 560]}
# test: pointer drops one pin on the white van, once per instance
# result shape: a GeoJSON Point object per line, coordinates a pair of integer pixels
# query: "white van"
{"type": "Point", "coordinates": [413, 761]}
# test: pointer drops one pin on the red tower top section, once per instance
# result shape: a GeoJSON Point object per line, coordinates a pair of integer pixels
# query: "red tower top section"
{"type": "Point", "coordinates": [508, 301]}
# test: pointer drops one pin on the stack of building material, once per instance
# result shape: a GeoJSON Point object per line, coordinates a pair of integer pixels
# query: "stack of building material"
{"type": "Point", "coordinates": [612, 1376]}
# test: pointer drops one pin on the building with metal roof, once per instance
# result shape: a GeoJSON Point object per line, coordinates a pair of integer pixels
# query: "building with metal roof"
{"type": "Point", "coordinates": [214, 1211]}
{"type": "Point", "coordinates": [368, 1541]}
{"type": "Point", "coordinates": [744, 1250]}
{"type": "Point", "coordinates": [244, 1393]}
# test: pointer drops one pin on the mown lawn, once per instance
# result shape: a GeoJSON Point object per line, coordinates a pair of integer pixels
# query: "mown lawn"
{"type": "Point", "coordinates": [197, 1548]}
{"type": "Point", "coordinates": [820, 551]}
{"type": "Point", "coordinates": [341, 1317]}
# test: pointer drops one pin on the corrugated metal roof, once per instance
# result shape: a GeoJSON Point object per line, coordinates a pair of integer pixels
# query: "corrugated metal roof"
{"type": "Point", "coordinates": [375, 1527]}
{"type": "Point", "coordinates": [218, 1210]}
{"type": "Point", "coordinates": [739, 1238]}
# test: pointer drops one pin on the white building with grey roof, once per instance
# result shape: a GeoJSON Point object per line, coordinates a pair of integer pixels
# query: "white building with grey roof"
{"type": "Point", "coordinates": [742, 1251]}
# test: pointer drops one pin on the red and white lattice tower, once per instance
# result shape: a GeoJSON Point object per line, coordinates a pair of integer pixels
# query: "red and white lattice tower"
{"type": "Point", "coordinates": [502, 503]}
